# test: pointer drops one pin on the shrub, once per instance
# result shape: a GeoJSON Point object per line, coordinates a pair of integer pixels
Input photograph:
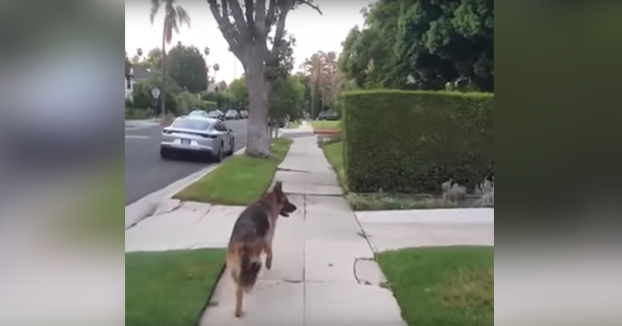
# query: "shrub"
{"type": "Point", "coordinates": [486, 189]}
{"type": "Point", "coordinates": [414, 141]}
{"type": "Point", "coordinates": [208, 105]}
{"type": "Point", "coordinates": [133, 113]}
{"type": "Point", "coordinates": [142, 97]}
{"type": "Point", "coordinates": [186, 102]}
{"type": "Point", "coordinates": [129, 103]}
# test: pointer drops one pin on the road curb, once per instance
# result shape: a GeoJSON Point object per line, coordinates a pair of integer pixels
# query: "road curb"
{"type": "Point", "coordinates": [148, 205]}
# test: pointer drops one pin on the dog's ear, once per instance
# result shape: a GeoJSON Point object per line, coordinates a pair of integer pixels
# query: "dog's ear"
{"type": "Point", "coordinates": [278, 188]}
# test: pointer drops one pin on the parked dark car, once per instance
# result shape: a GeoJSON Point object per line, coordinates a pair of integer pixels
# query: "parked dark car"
{"type": "Point", "coordinates": [328, 115]}
{"type": "Point", "coordinates": [232, 115]}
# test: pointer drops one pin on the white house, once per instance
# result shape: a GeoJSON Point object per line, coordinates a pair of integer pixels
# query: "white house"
{"type": "Point", "coordinates": [137, 73]}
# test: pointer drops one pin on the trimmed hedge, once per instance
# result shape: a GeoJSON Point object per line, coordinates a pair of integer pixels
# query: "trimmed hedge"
{"type": "Point", "coordinates": [413, 141]}
{"type": "Point", "coordinates": [208, 106]}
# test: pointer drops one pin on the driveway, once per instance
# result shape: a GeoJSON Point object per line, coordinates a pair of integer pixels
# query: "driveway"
{"type": "Point", "coordinates": [146, 172]}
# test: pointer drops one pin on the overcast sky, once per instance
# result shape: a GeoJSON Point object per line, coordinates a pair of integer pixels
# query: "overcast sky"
{"type": "Point", "coordinates": [313, 32]}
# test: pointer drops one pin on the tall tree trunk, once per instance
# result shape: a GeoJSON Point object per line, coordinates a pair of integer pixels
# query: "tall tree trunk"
{"type": "Point", "coordinates": [163, 90]}
{"type": "Point", "coordinates": [313, 91]}
{"type": "Point", "coordinates": [258, 138]}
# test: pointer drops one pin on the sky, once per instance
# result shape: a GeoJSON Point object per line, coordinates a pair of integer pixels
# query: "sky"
{"type": "Point", "coordinates": [313, 32]}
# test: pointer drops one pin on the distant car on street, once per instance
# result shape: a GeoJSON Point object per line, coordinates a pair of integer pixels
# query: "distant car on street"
{"type": "Point", "coordinates": [197, 135]}
{"type": "Point", "coordinates": [328, 115]}
{"type": "Point", "coordinates": [232, 115]}
{"type": "Point", "coordinates": [244, 114]}
{"type": "Point", "coordinates": [216, 114]}
{"type": "Point", "coordinates": [198, 113]}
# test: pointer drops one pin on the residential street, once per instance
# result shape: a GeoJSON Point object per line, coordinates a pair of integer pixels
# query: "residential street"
{"type": "Point", "coordinates": [146, 172]}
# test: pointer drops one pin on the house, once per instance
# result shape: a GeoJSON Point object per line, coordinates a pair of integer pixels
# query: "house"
{"type": "Point", "coordinates": [136, 73]}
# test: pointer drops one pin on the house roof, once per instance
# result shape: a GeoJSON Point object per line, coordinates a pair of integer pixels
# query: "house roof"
{"type": "Point", "coordinates": [141, 72]}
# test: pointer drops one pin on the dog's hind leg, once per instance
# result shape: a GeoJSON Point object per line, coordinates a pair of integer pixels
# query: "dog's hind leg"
{"type": "Point", "coordinates": [268, 250]}
{"type": "Point", "coordinates": [239, 297]}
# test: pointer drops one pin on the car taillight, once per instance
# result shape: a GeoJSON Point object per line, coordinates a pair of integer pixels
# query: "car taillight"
{"type": "Point", "coordinates": [208, 136]}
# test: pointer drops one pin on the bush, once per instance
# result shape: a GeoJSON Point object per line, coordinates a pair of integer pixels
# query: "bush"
{"type": "Point", "coordinates": [186, 102]}
{"type": "Point", "coordinates": [208, 105]}
{"type": "Point", "coordinates": [133, 113]}
{"type": "Point", "coordinates": [142, 95]}
{"type": "Point", "coordinates": [143, 99]}
{"type": "Point", "coordinates": [414, 141]}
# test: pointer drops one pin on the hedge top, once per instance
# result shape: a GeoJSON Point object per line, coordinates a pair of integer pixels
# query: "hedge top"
{"type": "Point", "coordinates": [431, 93]}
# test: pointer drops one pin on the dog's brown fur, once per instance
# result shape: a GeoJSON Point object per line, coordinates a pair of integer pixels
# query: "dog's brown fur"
{"type": "Point", "coordinates": [252, 234]}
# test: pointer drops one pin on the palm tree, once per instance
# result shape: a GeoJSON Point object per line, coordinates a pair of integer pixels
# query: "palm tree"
{"type": "Point", "coordinates": [314, 67]}
{"type": "Point", "coordinates": [174, 17]}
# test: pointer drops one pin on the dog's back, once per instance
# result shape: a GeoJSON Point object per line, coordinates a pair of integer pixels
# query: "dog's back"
{"type": "Point", "coordinates": [252, 235]}
{"type": "Point", "coordinates": [246, 244]}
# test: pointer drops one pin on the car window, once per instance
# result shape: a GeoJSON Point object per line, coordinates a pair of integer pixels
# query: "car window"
{"type": "Point", "coordinates": [193, 124]}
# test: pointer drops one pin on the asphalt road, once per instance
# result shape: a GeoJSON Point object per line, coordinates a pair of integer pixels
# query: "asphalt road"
{"type": "Point", "coordinates": [146, 172]}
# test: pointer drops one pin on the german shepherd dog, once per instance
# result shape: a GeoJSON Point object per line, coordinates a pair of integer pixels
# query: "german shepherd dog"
{"type": "Point", "coordinates": [252, 235]}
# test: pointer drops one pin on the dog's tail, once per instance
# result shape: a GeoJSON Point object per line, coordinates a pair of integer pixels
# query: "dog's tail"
{"type": "Point", "coordinates": [244, 260]}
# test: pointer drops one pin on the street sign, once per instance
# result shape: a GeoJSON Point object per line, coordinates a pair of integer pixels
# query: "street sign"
{"type": "Point", "coordinates": [155, 92]}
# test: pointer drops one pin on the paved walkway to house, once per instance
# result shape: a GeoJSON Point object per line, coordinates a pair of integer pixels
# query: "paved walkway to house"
{"type": "Point", "coordinates": [323, 271]}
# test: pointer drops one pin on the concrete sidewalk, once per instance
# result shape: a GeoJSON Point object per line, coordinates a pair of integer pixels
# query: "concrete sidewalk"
{"type": "Point", "coordinates": [323, 271]}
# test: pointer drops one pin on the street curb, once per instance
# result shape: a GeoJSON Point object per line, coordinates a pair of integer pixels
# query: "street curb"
{"type": "Point", "coordinates": [148, 205]}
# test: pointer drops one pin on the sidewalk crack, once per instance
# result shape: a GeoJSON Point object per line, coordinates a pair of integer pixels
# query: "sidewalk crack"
{"type": "Point", "coordinates": [358, 280]}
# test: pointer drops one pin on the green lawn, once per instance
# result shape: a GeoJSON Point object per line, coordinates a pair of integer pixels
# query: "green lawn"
{"type": "Point", "coordinates": [240, 180]}
{"type": "Point", "coordinates": [445, 286]}
{"type": "Point", "coordinates": [334, 155]}
{"type": "Point", "coordinates": [293, 125]}
{"type": "Point", "coordinates": [170, 288]}
{"type": "Point", "coordinates": [323, 124]}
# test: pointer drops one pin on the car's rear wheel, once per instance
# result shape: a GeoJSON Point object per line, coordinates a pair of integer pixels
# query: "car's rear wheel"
{"type": "Point", "coordinates": [219, 154]}
{"type": "Point", "coordinates": [166, 153]}
{"type": "Point", "coordinates": [230, 152]}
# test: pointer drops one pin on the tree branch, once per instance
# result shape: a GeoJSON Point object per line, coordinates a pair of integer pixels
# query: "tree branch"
{"type": "Point", "coordinates": [249, 9]}
{"type": "Point", "coordinates": [286, 6]}
{"type": "Point", "coordinates": [270, 17]}
{"type": "Point", "coordinates": [308, 3]}
{"type": "Point", "coordinates": [260, 18]}
{"type": "Point", "coordinates": [238, 17]}
{"type": "Point", "coordinates": [228, 31]}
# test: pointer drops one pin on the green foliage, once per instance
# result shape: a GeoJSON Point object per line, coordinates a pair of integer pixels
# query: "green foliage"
{"type": "Point", "coordinates": [187, 67]}
{"type": "Point", "coordinates": [208, 105]}
{"type": "Point", "coordinates": [155, 79]}
{"type": "Point", "coordinates": [135, 113]}
{"type": "Point", "coordinates": [413, 141]}
{"type": "Point", "coordinates": [186, 102]}
{"type": "Point", "coordinates": [142, 96]}
{"type": "Point", "coordinates": [223, 100]}
{"type": "Point", "coordinates": [286, 99]}
{"type": "Point", "coordinates": [422, 44]}
{"type": "Point", "coordinates": [238, 92]}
